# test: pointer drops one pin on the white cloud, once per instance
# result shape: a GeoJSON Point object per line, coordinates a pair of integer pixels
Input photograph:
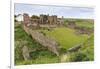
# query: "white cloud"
{"type": "Point", "coordinates": [55, 10]}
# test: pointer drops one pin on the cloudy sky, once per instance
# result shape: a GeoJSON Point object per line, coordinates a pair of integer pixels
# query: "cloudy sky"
{"type": "Point", "coordinates": [66, 12]}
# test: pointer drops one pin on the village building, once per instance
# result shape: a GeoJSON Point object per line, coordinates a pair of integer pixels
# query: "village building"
{"type": "Point", "coordinates": [19, 17]}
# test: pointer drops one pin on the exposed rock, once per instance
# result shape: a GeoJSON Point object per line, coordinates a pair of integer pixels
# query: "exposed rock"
{"type": "Point", "coordinates": [25, 53]}
{"type": "Point", "coordinates": [75, 48]}
{"type": "Point", "coordinates": [51, 44]}
{"type": "Point", "coordinates": [71, 24]}
{"type": "Point", "coordinates": [65, 57]}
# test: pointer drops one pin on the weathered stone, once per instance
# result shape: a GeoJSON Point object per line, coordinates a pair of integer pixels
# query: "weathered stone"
{"type": "Point", "coordinates": [71, 24]}
{"type": "Point", "coordinates": [26, 19]}
{"type": "Point", "coordinates": [75, 48]}
{"type": "Point", "coordinates": [46, 42]}
{"type": "Point", "coordinates": [25, 53]}
{"type": "Point", "coordinates": [43, 19]}
{"type": "Point", "coordinates": [64, 58]}
{"type": "Point", "coordinates": [60, 21]}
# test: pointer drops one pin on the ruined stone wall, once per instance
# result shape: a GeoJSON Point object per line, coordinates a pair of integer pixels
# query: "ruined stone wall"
{"type": "Point", "coordinates": [26, 19]}
{"type": "Point", "coordinates": [46, 19]}
{"type": "Point", "coordinates": [50, 19]}
{"type": "Point", "coordinates": [55, 19]}
{"type": "Point", "coordinates": [71, 24]}
{"type": "Point", "coordinates": [47, 42]}
{"type": "Point", "coordinates": [43, 19]}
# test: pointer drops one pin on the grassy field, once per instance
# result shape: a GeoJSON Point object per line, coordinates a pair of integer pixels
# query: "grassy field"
{"type": "Point", "coordinates": [86, 53]}
{"type": "Point", "coordinates": [65, 37]}
{"type": "Point", "coordinates": [85, 25]}
{"type": "Point", "coordinates": [37, 57]}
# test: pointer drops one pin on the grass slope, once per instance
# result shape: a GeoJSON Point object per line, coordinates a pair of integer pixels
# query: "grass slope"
{"type": "Point", "coordinates": [37, 57]}
{"type": "Point", "coordinates": [86, 53]}
{"type": "Point", "coordinates": [85, 25]}
{"type": "Point", "coordinates": [65, 37]}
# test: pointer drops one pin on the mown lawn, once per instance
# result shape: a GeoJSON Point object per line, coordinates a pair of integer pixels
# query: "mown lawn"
{"type": "Point", "coordinates": [65, 37]}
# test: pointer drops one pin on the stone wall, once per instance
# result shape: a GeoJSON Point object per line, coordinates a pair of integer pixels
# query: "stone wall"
{"type": "Point", "coordinates": [71, 24]}
{"type": "Point", "coordinates": [26, 19]}
{"type": "Point", "coordinates": [43, 19]}
{"type": "Point", "coordinates": [52, 19]}
{"type": "Point", "coordinates": [47, 42]}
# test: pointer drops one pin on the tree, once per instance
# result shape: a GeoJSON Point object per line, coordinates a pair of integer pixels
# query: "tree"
{"type": "Point", "coordinates": [15, 18]}
{"type": "Point", "coordinates": [34, 17]}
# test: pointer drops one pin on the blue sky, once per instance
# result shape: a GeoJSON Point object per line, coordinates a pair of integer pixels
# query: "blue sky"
{"type": "Point", "coordinates": [66, 12]}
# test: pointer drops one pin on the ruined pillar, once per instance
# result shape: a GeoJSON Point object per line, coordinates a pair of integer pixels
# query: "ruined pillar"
{"type": "Point", "coordinates": [26, 19]}
{"type": "Point", "coordinates": [54, 19]}
{"type": "Point", "coordinates": [41, 19]}
{"type": "Point", "coordinates": [50, 19]}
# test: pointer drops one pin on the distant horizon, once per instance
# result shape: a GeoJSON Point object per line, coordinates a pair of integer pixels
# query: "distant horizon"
{"type": "Point", "coordinates": [66, 12]}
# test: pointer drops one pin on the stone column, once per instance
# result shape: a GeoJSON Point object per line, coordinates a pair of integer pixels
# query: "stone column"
{"type": "Point", "coordinates": [26, 19]}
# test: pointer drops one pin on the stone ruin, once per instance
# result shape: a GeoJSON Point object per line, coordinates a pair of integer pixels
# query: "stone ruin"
{"type": "Point", "coordinates": [84, 30]}
{"type": "Point", "coordinates": [29, 22]}
{"type": "Point", "coordinates": [46, 19]}
{"type": "Point", "coordinates": [71, 24]}
{"type": "Point", "coordinates": [26, 19]}
{"type": "Point", "coordinates": [47, 42]}
{"type": "Point", "coordinates": [79, 30]}
{"type": "Point", "coordinates": [42, 20]}
{"type": "Point", "coordinates": [60, 21]}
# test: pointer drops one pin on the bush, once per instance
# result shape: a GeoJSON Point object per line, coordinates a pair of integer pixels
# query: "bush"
{"type": "Point", "coordinates": [79, 56]}
{"type": "Point", "coordinates": [86, 53]}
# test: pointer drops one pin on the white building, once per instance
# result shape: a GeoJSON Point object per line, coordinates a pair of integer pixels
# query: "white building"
{"type": "Point", "coordinates": [19, 17]}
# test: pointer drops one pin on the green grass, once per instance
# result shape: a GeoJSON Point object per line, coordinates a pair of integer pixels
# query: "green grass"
{"type": "Point", "coordinates": [40, 57]}
{"type": "Point", "coordinates": [85, 25]}
{"type": "Point", "coordinates": [65, 37]}
{"type": "Point", "coordinates": [86, 53]}
{"type": "Point", "coordinates": [37, 57]}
